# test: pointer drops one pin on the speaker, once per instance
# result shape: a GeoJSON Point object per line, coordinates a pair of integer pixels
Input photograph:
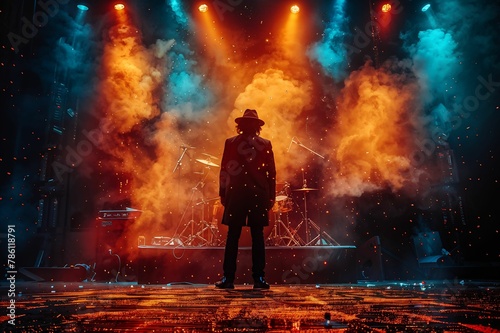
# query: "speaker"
{"type": "Point", "coordinates": [429, 248]}
{"type": "Point", "coordinates": [114, 249]}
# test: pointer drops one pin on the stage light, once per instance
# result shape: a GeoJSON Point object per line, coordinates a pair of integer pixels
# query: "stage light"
{"type": "Point", "coordinates": [426, 7]}
{"type": "Point", "coordinates": [386, 8]}
{"type": "Point", "coordinates": [119, 6]}
{"type": "Point", "coordinates": [294, 9]}
{"type": "Point", "coordinates": [203, 8]}
{"type": "Point", "coordinates": [83, 8]}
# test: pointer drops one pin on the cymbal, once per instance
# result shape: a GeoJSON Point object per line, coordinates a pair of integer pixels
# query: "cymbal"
{"type": "Point", "coordinates": [306, 189]}
{"type": "Point", "coordinates": [210, 156]}
{"type": "Point", "coordinates": [206, 162]}
{"type": "Point", "coordinates": [281, 198]}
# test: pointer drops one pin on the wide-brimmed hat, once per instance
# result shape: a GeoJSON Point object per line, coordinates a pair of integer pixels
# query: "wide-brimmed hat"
{"type": "Point", "coordinates": [249, 114]}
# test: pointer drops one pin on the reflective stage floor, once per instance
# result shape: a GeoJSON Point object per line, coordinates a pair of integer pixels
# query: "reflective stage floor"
{"type": "Point", "coordinates": [431, 306]}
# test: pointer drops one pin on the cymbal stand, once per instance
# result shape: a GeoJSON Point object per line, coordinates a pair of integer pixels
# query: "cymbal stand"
{"type": "Point", "coordinates": [320, 235]}
{"type": "Point", "coordinates": [191, 237]}
{"type": "Point", "coordinates": [305, 219]}
{"type": "Point", "coordinates": [203, 224]}
{"type": "Point", "coordinates": [178, 168]}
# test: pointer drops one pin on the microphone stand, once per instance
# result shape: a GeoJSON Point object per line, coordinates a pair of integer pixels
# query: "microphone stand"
{"type": "Point", "coordinates": [178, 164]}
{"type": "Point", "coordinates": [307, 148]}
{"type": "Point", "coordinates": [178, 167]}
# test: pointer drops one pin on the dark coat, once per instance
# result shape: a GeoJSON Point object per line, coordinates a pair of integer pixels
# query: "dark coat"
{"type": "Point", "coordinates": [247, 182]}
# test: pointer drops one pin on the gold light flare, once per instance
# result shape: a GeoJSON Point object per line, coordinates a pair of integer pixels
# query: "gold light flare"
{"type": "Point", "coordinates": [295, 9]}
{"type": "Point", "coordinates": [121, 14]}
{"type": "Point", "coordinates": [291, 31]}
{"type": "Point", "coordinates": [386, 8]}
{"type": "Point", "coordinates": [203, 8]}
{"type": "Point", "coordinates": [213, 39]}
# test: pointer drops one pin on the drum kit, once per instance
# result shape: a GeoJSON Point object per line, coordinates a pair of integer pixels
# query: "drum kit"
{"type": "Point", "coordinates": [204, 233]}
{"type": "Point", "coordinates": [283, 233]}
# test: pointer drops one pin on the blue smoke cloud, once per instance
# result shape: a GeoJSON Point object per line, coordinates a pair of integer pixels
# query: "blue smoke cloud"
{"type": "Point", "coordinates": [331, 52]}
{"type": "Point", "coordinates": [474, 23]}
{"type": "Point", "coordinates": [185, 88]}
{"type": "Point", "coordinates": [180, 14]}
{"type": "Point", "coordinates": [435, 63]}
{"type": "Point", "coordinates": [68, 41]}
{"type": "Point", "coordinates": [448, 70]}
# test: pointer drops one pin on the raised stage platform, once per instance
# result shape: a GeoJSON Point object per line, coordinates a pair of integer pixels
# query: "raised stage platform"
{"type": "Point", "coordinates": [433, 306]}
{"type": "Point", "coordinates": [285, 265]}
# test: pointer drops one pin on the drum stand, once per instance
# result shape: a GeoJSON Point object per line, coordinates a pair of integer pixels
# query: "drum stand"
{"type": "Point", "coordinates": [276, 237]}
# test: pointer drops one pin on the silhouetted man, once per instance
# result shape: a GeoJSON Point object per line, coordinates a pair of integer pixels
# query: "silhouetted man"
{"type": "Point", "coordinates": [247, 190]}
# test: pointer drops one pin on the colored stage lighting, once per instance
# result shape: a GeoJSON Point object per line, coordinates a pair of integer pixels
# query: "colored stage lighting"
{"type": "Point", "coordinates": [386, 8]}
{"type": "Point", "coordinates": [83, 8]}
{"type": "Point", "coordinates": [119, 6]}
{"type": "Point", "coordinates": [294, 9]}
{"type": "Point", "coordinates": [203, 8]}
{"type": "Point", "coordinates": [426, 7]}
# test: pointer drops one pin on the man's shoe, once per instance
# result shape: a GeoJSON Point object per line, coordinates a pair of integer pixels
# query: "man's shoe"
{"type": "Point", "coordinates": [224, 283]}
{"type": "Point", "coordinates": [260, 283]}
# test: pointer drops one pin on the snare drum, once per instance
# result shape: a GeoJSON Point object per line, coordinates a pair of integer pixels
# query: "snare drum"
{"type": "Point", "coordinates": [284, 205]}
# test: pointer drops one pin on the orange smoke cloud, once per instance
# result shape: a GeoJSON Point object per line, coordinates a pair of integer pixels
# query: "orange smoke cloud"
{"type": "Point", "coordinates": [373, 136]}
{"type": "Point", "coordinates": [129, 80]}
{"type": "Point", "coordinates": [141, 154]}
{"type": "Point", "coordinates": [281, 90]}
{"type": "Point", "coordinates": [280, 100]}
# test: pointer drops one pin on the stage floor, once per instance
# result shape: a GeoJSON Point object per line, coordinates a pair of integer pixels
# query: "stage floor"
{"type": "Point", "coordinates": [431, 306]}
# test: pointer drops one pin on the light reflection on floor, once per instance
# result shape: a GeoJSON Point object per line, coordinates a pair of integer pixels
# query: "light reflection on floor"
{"type": "Point", "coordinates": [438, 306]}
